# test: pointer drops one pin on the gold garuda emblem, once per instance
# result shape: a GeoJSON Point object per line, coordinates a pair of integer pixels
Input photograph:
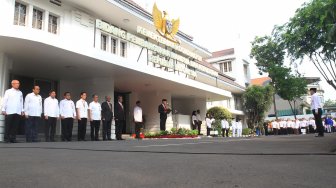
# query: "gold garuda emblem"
{"type": "Point", "coordinates": [164, 26]}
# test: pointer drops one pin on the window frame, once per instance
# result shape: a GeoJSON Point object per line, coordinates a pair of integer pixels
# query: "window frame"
{"type": "Point", "coordinates": [17, 19]}
{"type": "Point", "coordinates": [35, 21]}
{"type": "Point", "coordinates": [50, 25]}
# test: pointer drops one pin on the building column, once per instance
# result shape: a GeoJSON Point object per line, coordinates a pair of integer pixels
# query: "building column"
{"type": "Point", "coordinates": [5, 65]}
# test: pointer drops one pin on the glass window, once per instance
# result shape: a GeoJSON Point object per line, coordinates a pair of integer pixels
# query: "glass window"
{"type": "Point", "coordinates": [103, 42]}
{"type": "Point", "coordinates": [37, 19]}
{"type": "Point", "coordinates": [123, 49]}
{"type": "Point", "coordinates": [53, 24]}
{"type": "Point", "coordinates": [114, 45]}
{"type": "Point", "coordinates": [20, 14]}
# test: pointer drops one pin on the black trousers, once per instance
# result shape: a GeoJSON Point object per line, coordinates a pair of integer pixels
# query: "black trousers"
{"type": "Point", "coordinates": [208, 131]}
{"type": "Point", "coordinates": [225, 132]}
{"type": "Point", "coordinates": [95, 124]}
{"type": "Point", "coordinates": [163, 124]}
{"type": "Point", "coordinates": [119, 124]}
{"type": "Point", "coordinates": [311, 129]}
{"type": "Point", "coordinates": [275, 131]}
{"type": "Point", "coordinates": [318, 122]}
{"type": "Point", "coordinates": [31, 128]}
{"type": "Point", "coordinates": [50, 129]}
{"type": "Point", "coordinates": [12, 122]}
{"type": "Point", "coordinates": [107, 129]}
{"type": "Point", "coordinates": [82, 129]}
{"type": "Point", "coordinates": [199, 127]}
{"type": "Point", "coordinates": [67, 125]}
{"type": "Point", "coordinates": [138, 126]}
{"type": "Point", "coordinates": [266, 130]}
{"type": "Point", "coordinates": [194, 125]}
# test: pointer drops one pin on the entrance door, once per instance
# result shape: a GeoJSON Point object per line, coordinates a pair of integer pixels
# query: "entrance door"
{"type": "Point", "coordinates": [26, 86]}
{"type": "Point", "coordinates": [127, 125]}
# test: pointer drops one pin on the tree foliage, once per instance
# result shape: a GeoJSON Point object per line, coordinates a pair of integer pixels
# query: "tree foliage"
{"type": "Point", "coordinates": [257, 100]}
{"type": "Point", "coordinates": [219, 113]}
{"type": "Point", "coordinates": [312, 33]}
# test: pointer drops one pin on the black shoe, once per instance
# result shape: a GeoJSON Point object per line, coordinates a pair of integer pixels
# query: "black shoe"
{"type": "Point", "coordinates": [319, 136]}
{"type": "Point", "coordinates": [97, 139]}
{"type": "Point", "coordinates": [13, 141]}
{"type": "Point", "coordinates": [109, 139]}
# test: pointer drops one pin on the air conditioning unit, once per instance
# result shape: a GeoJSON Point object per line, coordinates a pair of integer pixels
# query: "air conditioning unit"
{"type": "Point", "coordinates": [56, 2]}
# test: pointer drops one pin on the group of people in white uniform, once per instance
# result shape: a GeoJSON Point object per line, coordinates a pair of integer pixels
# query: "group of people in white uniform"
{"type": "Point", "coordinates": [236, 126]}
{"type": "Point", "coordinates": [297, 126]}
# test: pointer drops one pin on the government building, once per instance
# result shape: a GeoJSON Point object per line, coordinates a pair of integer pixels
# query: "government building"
{"type": "Point", "coordinates": [112, 47]}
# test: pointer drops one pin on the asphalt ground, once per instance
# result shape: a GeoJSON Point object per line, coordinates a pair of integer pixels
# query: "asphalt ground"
{"type": "Point", "coordinates": [273, 161]}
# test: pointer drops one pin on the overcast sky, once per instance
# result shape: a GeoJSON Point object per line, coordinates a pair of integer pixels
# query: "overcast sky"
{"type": "Point", "coordinates": [221, 24]}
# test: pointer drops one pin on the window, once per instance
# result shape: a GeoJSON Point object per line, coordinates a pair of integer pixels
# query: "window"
{"type": "Point", "coordinates": [20, 14]}
{"type": "Point", "coordinates": [53, 24]}
{"type": "Point", "coordinates": [114, 45]}
{"type": "Point", "coordinates": [225, 66]}
{"type": "Point", "coordinates": [123, 49]}
{"type": "Point", "coordinates": [103, 42]}
{"type": "Point", "coordinates": [37, 19]}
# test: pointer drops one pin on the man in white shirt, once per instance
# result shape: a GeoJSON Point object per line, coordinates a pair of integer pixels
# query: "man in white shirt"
{"type": "Point", "coordinates": [289, 125]}
{"type": "Point", "coordinates": [275, 126]}
{"type": "Point", "coordinates": [137, 116]}
{"type": "Point", "coordinates": [283, 128]}
{"type": "Point", "coordinates": [51, 115]}
{"type": "Point", "coordinates": [297, 126]}
{"type": "Point", "coordinates": [317, 111]}
{"type": "Point", "coordinates": [68, 113]}
{"type": "Point", "coordinates": [33, 111]}
{"type": "Point", "coordinates": [95, 117]}
{"type": "Point", "coordinates": [225, 127]}
{"type": "Point", "coordinates": [12, 108]}
{"type": "Point", "coordinates": [82, 115]}
{"type": "Point", "coordinates": [312, 125]}
{"type": "Point", "coordinates": [239, 127]}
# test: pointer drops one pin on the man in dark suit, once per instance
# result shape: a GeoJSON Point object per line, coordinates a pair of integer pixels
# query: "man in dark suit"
{"type": "Point", "coordinates": [107, 116]}
{"type": "Point", "coordinates": [164, 111]}
{"type": "Point", "coordinates": [119, 117]}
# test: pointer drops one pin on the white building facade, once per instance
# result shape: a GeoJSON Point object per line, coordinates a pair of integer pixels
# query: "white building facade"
{"type": "Point", "coordinates": [234, 66]}
{"type": "Point", "coordinates": [108, 47]}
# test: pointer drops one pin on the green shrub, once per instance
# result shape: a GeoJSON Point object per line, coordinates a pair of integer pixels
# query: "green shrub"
{"type": "Point", "coordinates": [219, 113]}
{"type": "Point", "coordinates": [164, 132]}
{"type": "Point", "coordinates": [246, 131]}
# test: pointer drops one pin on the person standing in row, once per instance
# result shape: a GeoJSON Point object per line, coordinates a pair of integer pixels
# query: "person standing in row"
{"type": "Point", "coordinates": [95, 117]}
{"type": "Point", "coordinates": [234, 128]}
{"type": "Point", "coordinates": [68, 114]}
{"type": "Point", "coordinates": [137, 116]}
{"type": "Point", "coordinates": [316, 108]}
{"type": "Point", "coordinates": [194, 120]}
{"type": "Point", "coordinates": [209, 120]}
{"type": "Point", "coordinates": [199, 119]}
{"type": "Point", "coordinates": [239, 127]}
{"type": "Point", "coordinates": [107, 116]}
{"type": "Point", "coordinates": [164, 111]}
{"type": "Point", "coordinates": [12, 109]}
{"type": "Point", "coordinates": [225, 127]}
{"type": "Point", "coordinates": [82, 115]}
{"type": "Point", "coordinates": [119, 116]}
{"type": "Point", "coordinates": [33, 112]}
{"type": "Point", "coordinates": [275, 126]}
{"type": "Point", "coordinates": [51, 115]}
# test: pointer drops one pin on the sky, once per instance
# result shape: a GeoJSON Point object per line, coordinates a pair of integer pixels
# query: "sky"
{"type": "Point", "coordinates": [221, 24]}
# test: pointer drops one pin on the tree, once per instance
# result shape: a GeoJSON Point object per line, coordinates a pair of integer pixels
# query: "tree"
{"type": "Point", "coordinates": [291, 89]}
{"type": "Point", "coordinates": [329, 103]}
{"type": "Point", "coordinates": [270, 54]}
{"type": "Point", "coordinates": [256, 101]}
{"type": "Point", "coordinates": [270, 57]}
{"type": "Point", "coordinates": [312, 33]}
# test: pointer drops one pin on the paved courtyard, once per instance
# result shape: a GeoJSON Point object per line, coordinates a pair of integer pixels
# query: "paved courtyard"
{"type": "Point", "coordinates": [283, 161]}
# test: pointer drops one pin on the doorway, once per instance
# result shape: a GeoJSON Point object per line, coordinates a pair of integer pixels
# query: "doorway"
{"type": "Point", "coordinates": [127, 125]}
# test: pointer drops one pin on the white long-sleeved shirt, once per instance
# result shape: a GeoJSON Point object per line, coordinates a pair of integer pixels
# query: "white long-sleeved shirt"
{"type": "Point", "coordinates": [297, 124]}
{"type": "Point", "coordinates": [290, 124]}
{"type": "Point", "coordinates": [282, 124]}
{"type": "Point", "coordinates": [198, 116]}
{"type": "Point", "coordinates": [239, 125]}
{"type": "Point", "coordinates": [83, 108]}
{"type": "Point", "coordinates": [12, 103]}
{"type": "Point", "coordinates": [33, 105]}
{"type": "Point", "coordinates": [51, 108]}
{"type": "Point", "coordinates": [209, 122]}
{"type": "Point", "coordinates": [275, 125]}
{"type": "Point", "coordinates": [67, 108]}
{"type": "Point", "coordinates": [225, 124]}
{"type": "Point", "coordinates": [315, 102]}
{"type": "Point", "coordinates": [137, 114]}
{"type": "Point", "coordinates": [95, 110]}
{"type": "Point", "coordinates": [193, 119]}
